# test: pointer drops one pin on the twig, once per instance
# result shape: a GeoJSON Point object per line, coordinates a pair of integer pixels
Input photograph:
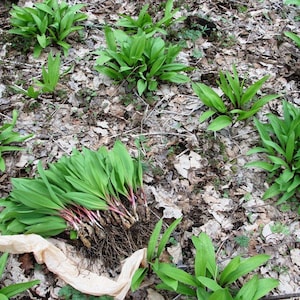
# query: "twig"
{"type": "Point", "coordinates": [286, 296]}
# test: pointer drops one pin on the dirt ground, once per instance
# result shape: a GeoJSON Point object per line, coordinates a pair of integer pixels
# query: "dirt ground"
{"type": "Point", "coordinates": [190, 172]}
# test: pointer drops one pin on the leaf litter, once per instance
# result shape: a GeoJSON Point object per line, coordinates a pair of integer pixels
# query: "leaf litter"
{"type": "Point", "coordinates": [190, 172]}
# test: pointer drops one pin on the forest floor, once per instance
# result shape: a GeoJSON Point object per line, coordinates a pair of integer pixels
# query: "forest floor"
{"type": "Point", "coordinates": [190, 172]}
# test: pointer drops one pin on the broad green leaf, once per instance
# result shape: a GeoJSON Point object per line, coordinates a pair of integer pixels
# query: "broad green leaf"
{"type": "Point", "coordinates": [209, 97]}
{"type": "Point", "coordinates": [260, 164]}
{"type": "Point", "coordinates": [165, 237]}
{"type": "Point", "coordinates": [272, 191]}
{"type": "Point", "coordinates": [47, 229]}
{"type": "Point", "coordinates": [262, 101]}
{"type": "Point", "coordinates": [110, 38]}
{"type": "Point", "coordinates": [34, 200]}
{"type": "Point", "coordinates": [243, 115]}
{"type": "Point", "coordinates": [81, 186]}
{"type": "Point", "coordinates": [285, 197]}
{"type": "Point", "coordinates": [109, 72]}
{"type": "Point", "coordinates": [16, 226]}
{"type": "Point", "coordinates": [156, 46]}
{"type": "Point", "coordinates": [223, 84]}
{"type": "Point", "coordinates": [180, 288]}
{"type": "Point", "coordinates": [174, 67]}
{"type": "Point", "coordinates": [295, 2]}
{"type": "Point", "coordinates": [169, 284]}
{"type": "Point", "coordinates": [3, 297]}
{"type": "Point", "coordinates": [65, 33]}
{"type": "Point", "coordinates": [42, 40]}
{"type": "Point", "coordinates": [177, 274]}
{"type": "Point", "coordinates": [202, 293]}
{"type": "Point", "coordinates": [277, 161]}
{"type": "Point", "coordinates": [295, 37]}
{"type": "Point", "coordinates": [3, 260]}
{"type": "Point", "coordinates": [152, 85]}
{"type": "Point", "coordinates": [205, 256]}
{"type": "Point", "coordinates": [275, 146]}
{"type": "Point", "coordinates": [10, 148]}
{"type": "Point", "coordinates": [156, 66]}
{"type": "Point", "coordinates": [290, 147]}
{"type": "Point", "coordinates": [174, 77]}
{"type": "Point", "coordinates": [294, 185]}
{"type": "Point", "coordinates": [209, 283]}
{"type": "Point", "coordinates": [52, 194]}
{"type": "Point", "coordinates": [265, 285]}
{"type": "Point", "coordinates": [87, 200]}
{"type": "Point", "coordinates": [2, 163]}
{"type": "Point", "coordinates": [17, 288]}
{"type": "Point", "coordinates": [138, 278]}
{"type": "Point", "coordinates": [206, 115]}
{"type": "Point", "coordinates": [222, 294]}
{"type": "Point", "coordinates": [230, 267]}
{"type": "Point", "coordinates": [44, 7]}
{"type": "Point", "coordinates": [219, 123]}
{"type": "Point", "coordinates": [253, 89]}
{"type": "Point", "coordinates": [262, 131]}
{"type": "Point", "coordinates": [153, 241]}
{"type": "Point", "coordinates": [257, 150]}
{"type": "Point", "coordinates": [245, 267]}
{"type": "Point", "coordinates": [249, 289]}
{"type": "Point", "coordinates": [141, 86]}
{"type": "Point", "coordinates": [137, 47]}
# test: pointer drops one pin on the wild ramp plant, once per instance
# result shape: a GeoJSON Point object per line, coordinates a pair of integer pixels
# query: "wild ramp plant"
{"type": "Point", "coordinates": [73, 194]}
{"type": "Point", "coordinates": [280, 143]}
{"type": "Point", "coordinates": [237, 102]}
{"type": "Point", "coordinates": [50, 77]}
{"type": "Point", "coordinates": [47, 23]}
{"type": "Point", "coordinates": [139, 60]}
{"type": "Point", "coordinates": [208, 282]}
{"type": "Point", "coordinates": [8, 136]}
{"type": "Point", "coordinates": [145, 22]}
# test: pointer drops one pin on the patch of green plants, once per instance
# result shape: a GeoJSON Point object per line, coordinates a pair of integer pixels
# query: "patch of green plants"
{"type": "Point", "coordinates": [139, 60]}
{"type": "Point", "coordinates": [47, 23]}
{"type": "Point", "coordinates": [293, 36]}
{"type": "Point", "coordinates": [8, 136]}
{"type": "Point", "coordinates": [280, 142]}
{"type": "Point", "coordinates": [72, 193]}
{"type": "Point", "coordinates": [69, 293]}
{"type": "Point", "coordinates": [145, 22]}
{"type": "Point", "coordinates": [208, 282]}
{"type": "Point", "coordinates": [237, 102]}
{"type": "Point", "coordinates": [14, 289]}
{"type": "Point", "coordinates": [50, 78]}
